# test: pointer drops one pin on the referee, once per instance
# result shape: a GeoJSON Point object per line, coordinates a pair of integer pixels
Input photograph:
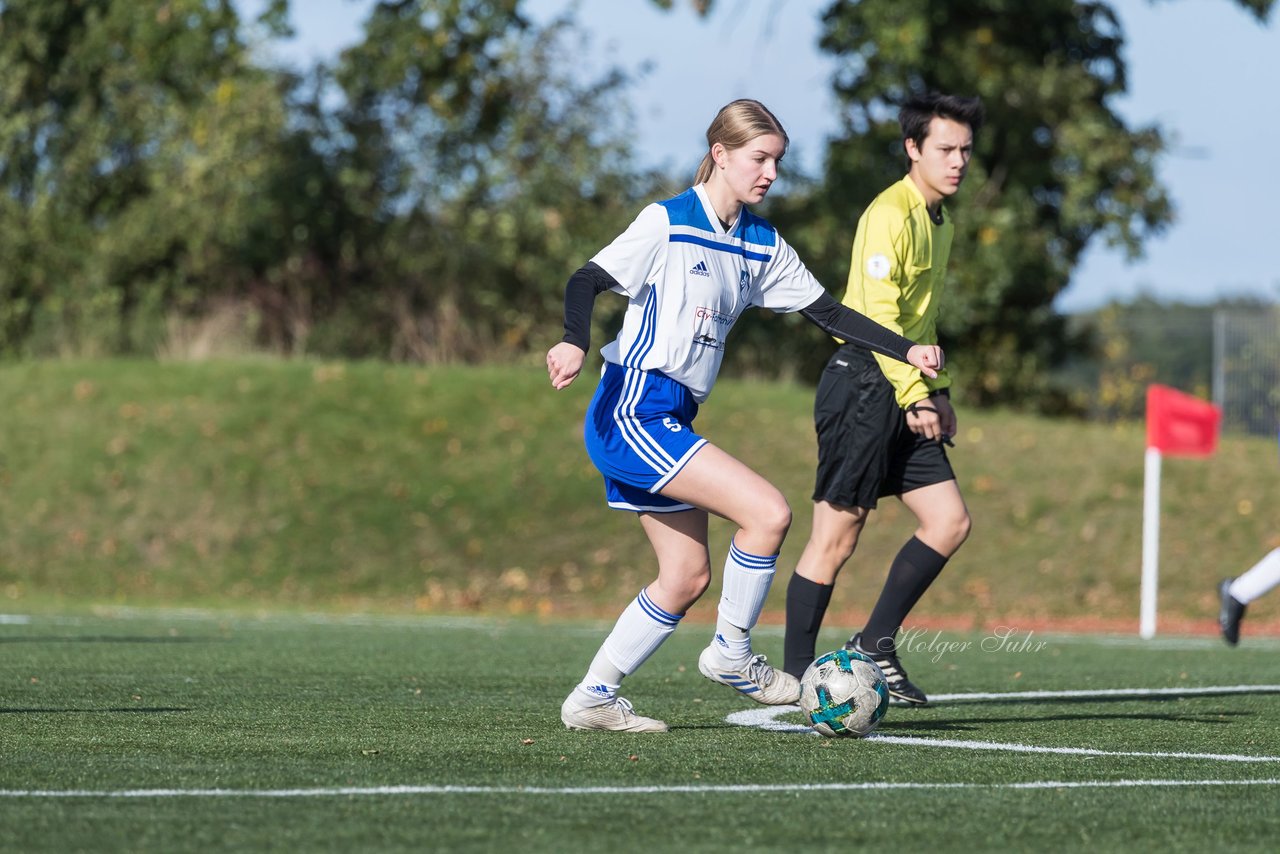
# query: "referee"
{"type": "Point", "coordinates": [882, 425]}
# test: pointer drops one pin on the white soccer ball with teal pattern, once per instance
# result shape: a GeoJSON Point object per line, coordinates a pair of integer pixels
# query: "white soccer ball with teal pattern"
{"type": "Point", "coordinates": [843, 694]}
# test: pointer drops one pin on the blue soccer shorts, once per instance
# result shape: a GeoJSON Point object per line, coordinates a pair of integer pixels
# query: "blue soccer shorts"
{"type": "Point", "coordinates": [639, 434]}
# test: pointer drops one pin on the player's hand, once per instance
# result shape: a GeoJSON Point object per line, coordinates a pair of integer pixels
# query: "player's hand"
{"type": "Point", "coordinates": [564, 362]}
{"type": "Point", "coordinates": [927, 357]}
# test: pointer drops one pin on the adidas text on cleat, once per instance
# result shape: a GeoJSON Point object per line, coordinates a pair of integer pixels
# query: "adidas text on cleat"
{"type": "Point", "coordinates": [614, 716]}
{"type": "Point", "coordinates": [895, 678]}
{"type": "Point", "coordinates": [1230, 613]}
{"type": "Point", "coordinates": [757, 679]}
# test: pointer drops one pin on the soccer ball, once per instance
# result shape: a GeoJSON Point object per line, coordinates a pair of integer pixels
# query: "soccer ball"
{"type": "Point", "coordinates": [843, 694]}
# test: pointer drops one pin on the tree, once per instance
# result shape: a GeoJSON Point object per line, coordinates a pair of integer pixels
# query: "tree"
{"type": "Point", "coordinates": [479, 165]}
{"type": "Point", "coordinates": [422, 198]}
{"type": "Point", "coordinates": [136, 135]}
{"type": "Point", "coordinates": [1056, 167]}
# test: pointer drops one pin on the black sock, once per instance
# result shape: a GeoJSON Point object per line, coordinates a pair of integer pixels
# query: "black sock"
{"type": "Point", "coordinates": [912, 571]}
{"type": "Point", "coordinates": [806, 606]}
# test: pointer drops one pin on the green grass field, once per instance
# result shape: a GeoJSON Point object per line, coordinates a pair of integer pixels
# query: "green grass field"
{"type": "Point", "coordinates": [259, 605]}
{"type": "Point", "coordinates": [195, 731]}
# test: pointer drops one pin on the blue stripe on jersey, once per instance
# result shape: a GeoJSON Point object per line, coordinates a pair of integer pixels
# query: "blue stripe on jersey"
{"type": "Point", "coordinates": [654, 612]}
{"type": "Point", "coordinates": [753, 229]}
{"type": "Point", "coordinates": [686, 209]}
{"type": "Point", "coordinates": [750, 561]}
{"type": "Point", "coordinates": [647, 335]}
{"type": "Point", "coordinates": [720, 247]}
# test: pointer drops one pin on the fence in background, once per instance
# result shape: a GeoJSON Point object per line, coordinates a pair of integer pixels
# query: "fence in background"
{"type": "Point", "coordinates": [1246, 370]}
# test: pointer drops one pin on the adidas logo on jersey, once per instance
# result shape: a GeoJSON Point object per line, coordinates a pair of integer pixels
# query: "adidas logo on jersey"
{"type": "Point", "coordinates": [700, 269]}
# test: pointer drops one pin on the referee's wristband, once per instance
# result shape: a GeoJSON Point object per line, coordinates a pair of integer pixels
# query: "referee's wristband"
{"type": "Point", "coordinates": [919, 406]}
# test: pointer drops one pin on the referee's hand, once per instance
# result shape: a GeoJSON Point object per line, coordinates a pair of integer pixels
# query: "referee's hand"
{"type": "Point", "coordinates": [923, 420]}
{"type": "Point", "coordinates": [933, 418]}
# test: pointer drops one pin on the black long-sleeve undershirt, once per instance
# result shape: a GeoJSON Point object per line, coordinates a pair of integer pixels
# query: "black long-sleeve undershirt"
{"type": "Point", "coordinates": [843, 322]}
{"type": "Point", "coordinates": [837, 320]}
{"type": "Point", "coordinates": [580, 294]}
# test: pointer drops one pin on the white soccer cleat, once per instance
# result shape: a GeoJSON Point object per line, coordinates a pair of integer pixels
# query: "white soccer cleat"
{"type": "Point", "coordinates": [757, 680]}
{"type": "Point", "coordinates": [615, 715]}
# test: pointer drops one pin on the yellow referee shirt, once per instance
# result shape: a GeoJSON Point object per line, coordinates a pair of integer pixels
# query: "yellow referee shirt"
{"type": "Point", "coordinates": [896, 278]}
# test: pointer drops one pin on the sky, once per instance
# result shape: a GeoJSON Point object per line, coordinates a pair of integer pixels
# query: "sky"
{"type": "Point", "coordinates": [1204, 70]}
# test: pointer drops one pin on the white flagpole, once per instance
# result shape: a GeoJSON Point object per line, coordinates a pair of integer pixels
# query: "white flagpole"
{"type": "Point", "coordinates": [1150, 543]}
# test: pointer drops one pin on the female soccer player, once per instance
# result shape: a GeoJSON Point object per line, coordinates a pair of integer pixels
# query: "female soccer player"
{"type": "Point", "coordinates": [689, 267]}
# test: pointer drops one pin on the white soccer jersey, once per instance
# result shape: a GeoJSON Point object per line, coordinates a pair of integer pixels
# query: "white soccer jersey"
{"type": "Point", "coordinates": [689, 280]}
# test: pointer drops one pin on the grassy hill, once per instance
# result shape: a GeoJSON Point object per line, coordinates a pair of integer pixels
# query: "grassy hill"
{"type": "Point", "coordinates": [296, 485]}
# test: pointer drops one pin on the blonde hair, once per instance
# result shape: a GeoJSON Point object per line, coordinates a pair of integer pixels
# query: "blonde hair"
{"type": "Point", "coordinates": [734, 126]}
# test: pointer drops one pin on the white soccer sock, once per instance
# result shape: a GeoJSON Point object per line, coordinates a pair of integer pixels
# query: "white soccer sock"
{"type": "Point", "coordinates": [1258, 579]}
{"type": "Point", "coordinates": [638, 633]}
{"type": "Point", "coordinates": [747, 579]}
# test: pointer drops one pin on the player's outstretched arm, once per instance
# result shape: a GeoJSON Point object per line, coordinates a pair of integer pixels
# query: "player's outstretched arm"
{"type": "Point", "coordinates": [846, 324]}
{"type": "Point", "coordinates": [564, 360]}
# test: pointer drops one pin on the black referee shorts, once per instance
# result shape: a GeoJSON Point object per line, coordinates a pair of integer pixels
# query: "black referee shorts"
{"type": "Point", "coordinates": [865, 449]}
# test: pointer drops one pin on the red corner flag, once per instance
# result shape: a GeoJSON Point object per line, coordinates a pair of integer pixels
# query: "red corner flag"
{"type": "Point", "coordinates": [1178, 423]}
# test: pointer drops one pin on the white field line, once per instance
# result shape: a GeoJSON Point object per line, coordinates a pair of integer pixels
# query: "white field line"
{"type": "Point", "coordinates": [1188, 691]}
{"type": "Point", "coordinates": [379, 791]}
{"type": "Point", "coordinates": [766, 719]}
{"type": "Point", "coordinates": [1069, 751]}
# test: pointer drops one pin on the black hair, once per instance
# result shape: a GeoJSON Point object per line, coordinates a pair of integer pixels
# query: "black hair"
{"type": "Point", "coordinates": [920, 110]}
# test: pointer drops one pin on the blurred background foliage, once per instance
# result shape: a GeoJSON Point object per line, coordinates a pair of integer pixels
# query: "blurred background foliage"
{"type": "Point", "coordinates": [422, 198]}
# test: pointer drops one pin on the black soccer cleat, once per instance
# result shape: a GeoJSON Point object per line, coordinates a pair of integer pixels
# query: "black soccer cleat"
{"type": "Point", "coordinates": [900, 687]}
{"type": "Point", "coordinates": [1230, 613]}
